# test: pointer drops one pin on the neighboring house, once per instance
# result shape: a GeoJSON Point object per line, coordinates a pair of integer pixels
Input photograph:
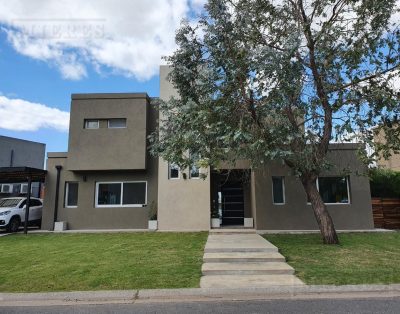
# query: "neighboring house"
{"type": "Point", "coordinates": [15, 152]}
{"type": "Point", "coordinates": [393, 162]}
{"type": "Point", "coordinates": [108, 180]}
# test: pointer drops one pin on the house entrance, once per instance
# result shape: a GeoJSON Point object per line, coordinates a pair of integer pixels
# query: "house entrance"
{"type": "Point", "coordinates": [229, 199]}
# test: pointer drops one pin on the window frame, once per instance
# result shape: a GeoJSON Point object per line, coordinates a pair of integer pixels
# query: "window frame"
{"type": "Point", "coordinates": [283, 190]}
{"type": "Point", "coordinates": [66, 195]}
{"type": "Point", "coordinates": [193, 165]}
{"type": "Point", "coordinates": [91, 120]}
{"type": "Point", "coordinates": [348, 190]}
{"type": "Point", "coordinates": [118, 127]}
{"type": "Point", "coordinates": [169, 171]}
{"type": "Point", "coordinates": [96, 200]}
{"type": "Point", "coordinates": [10, 188]}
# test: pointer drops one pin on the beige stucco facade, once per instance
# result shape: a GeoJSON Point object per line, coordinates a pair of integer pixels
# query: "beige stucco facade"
{"type": "Point", "coordinates": [393, 162]}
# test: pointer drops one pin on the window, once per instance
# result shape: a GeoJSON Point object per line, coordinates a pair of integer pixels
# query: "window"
{"type": "Point", "coordinates": [116, 123]}
{"type": "Point", "coordinates": [121, 194]}
{"type": "Point", "coordinates": [71, 194]}
{"type": "Point", "coordinates": [35, 202]}
{"type": "Point", "coordinates": [173, 171]}
{"type": "Point", "coordinates": [24, 188]}
{"type": "Point", "coordinates": [6, 188]}
{"type": "Point", "coordinates": [334, 190]}
{"type": "Point", "coordinates": [91, 124]}
{"type": "Point", "coordinates": [278, 190]}
{"type": "Point", "coordinates": [194, 172]}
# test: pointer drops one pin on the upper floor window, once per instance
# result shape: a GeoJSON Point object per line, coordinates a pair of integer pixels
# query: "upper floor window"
{"type": "Point", "coordinates": [194, 172]}
{"type": "Point", "coordinates": [116, 123]}
{"type": "Point", "coordinates": [278, 190]}
{"type": "Point", "coordinates": [91, 124]}
{"type": "Point", "coordinates": [173, 171]}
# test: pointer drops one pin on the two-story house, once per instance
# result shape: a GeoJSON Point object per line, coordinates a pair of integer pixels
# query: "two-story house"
{"type": "Point", "coordinates": [108, 180]}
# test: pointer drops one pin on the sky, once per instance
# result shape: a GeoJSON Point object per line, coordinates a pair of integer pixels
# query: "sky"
{"type": "Point", "coordinates": [50, 49]}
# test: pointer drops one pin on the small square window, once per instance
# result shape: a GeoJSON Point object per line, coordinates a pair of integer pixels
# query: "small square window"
{"type": "Point", "coordinates": [91, 124]}
{"type": "Point", "coordinates": [71, 194]}
{"type": "Point", "coordinates": [334, 190]}
{"type": "Point", "coordinates": [278, 190]}
{"type": "Point", "coordinates": [116, 123]}
{"type": "Point", "coordinates": [173, 171]}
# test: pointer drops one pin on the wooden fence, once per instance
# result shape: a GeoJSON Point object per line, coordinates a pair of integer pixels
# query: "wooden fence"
{"type": "Point", "coordinates": [386, 212]}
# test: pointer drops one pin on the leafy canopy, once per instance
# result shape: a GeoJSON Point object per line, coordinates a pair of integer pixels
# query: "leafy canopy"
{"type": "Point", "coordinates": [262, 80]}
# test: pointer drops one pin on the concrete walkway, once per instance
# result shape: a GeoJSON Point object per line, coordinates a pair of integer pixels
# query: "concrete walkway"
{"type": "Point", "coordinates": [244, 259]}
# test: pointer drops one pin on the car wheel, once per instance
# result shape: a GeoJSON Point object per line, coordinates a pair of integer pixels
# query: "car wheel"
{"type": "Point", "coordinates": [13, 225]}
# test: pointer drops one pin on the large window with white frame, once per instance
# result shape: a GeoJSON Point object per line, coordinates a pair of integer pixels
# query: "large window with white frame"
{"type": "Point", "coordinates": [278, 190]}
{"type": "Point", "coordinates": [121, 194]}
{"type": "Point", "coordinates": [71, 194]}
{"type": "Point", "coordinates": [173, 171]}
{"type": "Point", "coordinates": [334, 190]}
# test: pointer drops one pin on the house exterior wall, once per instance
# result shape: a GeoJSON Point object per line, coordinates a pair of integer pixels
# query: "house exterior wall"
{"type": "Point", "coordinates": [21, 153]}
{"type": "Point", "coordinates": [113, 149]}
{"type": "Point", "coordinates": [182, 204]}
{"type": "Point", "coordinates": [296, 214]}
{"type": "Point", "coordinates": [86, 215]}
{"type": "Point", "coordinates": [393, 162]}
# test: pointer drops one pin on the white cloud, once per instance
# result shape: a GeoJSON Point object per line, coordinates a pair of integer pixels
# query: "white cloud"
{"type": "Point", "coordinates": [22, 115]}
{"type": "Point", "coordinates": [128, 37]}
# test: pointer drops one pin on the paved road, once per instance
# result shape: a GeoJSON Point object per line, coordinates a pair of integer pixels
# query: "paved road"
{"type": "Point", "coordinates": [386, 305]}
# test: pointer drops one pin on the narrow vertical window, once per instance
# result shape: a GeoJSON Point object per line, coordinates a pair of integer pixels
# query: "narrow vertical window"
{"type": "Point", "coordinates": [173, 171]}
{"type": "Point", "coordinates": [278, 190]}
{"type": "Point", "coordinates": [71, 194]}
{"type": "Point", "coordinates": [194, 168]}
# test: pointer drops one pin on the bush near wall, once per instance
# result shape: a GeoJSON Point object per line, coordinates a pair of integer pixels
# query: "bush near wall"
{"type": "Point", "coordinates": [385, 183]}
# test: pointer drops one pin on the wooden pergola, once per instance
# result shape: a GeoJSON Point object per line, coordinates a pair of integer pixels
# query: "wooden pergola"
{"type": "Point", "coordinates": [21, 175]}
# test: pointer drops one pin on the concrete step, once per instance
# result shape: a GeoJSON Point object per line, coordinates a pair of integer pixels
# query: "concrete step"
{"type": "Point", "coordinates": [248, 281]}
{"type": "Point", "coordinates": [238, 243]}
{"type": "Point", "coordinates": [242, 257]}
{"type": "Point", "coordinates": [270, 268]}
{"type": "Point", "coordinates": [232, 231]}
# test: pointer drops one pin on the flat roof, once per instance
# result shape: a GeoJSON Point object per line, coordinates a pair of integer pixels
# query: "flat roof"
{"type": "Point", "coordinates": [20, 139]}
{"type": "Point", "coordinates": [21, 174]}
{"type": "Point", "coordinates": [109, 96]}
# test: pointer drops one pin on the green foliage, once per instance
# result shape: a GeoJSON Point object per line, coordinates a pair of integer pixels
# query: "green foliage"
{"type": "Point", "coordinates": [265, 80]}
{"type": "Point", "coordinates": [385, 183]}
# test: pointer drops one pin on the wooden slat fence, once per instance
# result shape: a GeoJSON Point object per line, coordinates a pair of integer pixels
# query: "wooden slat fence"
{"type": "Point", "coordinates": [386, 212]}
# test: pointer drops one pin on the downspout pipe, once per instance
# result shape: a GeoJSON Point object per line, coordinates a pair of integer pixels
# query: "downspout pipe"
{"type": "Point", "coordinates": [58, 167]}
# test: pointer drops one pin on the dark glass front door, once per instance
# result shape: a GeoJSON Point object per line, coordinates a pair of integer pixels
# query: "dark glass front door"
{"type": "Point", "coordinates": [232, 203]}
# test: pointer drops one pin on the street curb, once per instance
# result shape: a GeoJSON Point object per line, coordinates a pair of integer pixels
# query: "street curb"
{"type": "Point", "coordinates": [198, 294]}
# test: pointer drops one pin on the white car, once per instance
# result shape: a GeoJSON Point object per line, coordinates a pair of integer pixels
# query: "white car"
{"type": "Point", "coordinates": [12, 212]}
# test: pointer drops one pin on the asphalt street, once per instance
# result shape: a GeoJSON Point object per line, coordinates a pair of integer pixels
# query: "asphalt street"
{"type": "Point", "coordinates": [365, 306]}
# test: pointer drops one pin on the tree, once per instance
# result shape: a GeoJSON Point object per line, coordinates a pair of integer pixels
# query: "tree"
{"type": "Point", "coordinates": [264, 80]}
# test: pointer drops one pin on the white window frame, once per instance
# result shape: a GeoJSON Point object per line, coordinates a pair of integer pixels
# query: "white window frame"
{"type": "Point", "coordinates": [118, 127]}
{"type": "Point", "coordinates": [10, 188]}
{"type": "Point", "coordinates": [66, 195]}
{"type": "Point", "coordinates": [23, 185]}
{"type": "Point", "coordinates": [91, 120]}
{"type": "Point", "coordinates": [348, 190]}
{"type": "Point", "coordinates": [97, 205]}
{"type": "Point", "coordinates": [169, 172]}
{"type": "Point", "coordinates": [190, 172]}
{"type": "Point", "coordinates": [283, 190]}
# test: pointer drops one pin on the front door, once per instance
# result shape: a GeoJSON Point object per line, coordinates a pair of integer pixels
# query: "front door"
{"type": "Point", "coordinates": [232, 203]}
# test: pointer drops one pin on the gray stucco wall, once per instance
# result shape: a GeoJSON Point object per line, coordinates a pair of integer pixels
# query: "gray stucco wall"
{"type": "Point", "coordinates": [25, 153]}
{"type": "Point", "coordinates": [296, 214]}
{"type": "Point", "coordinates": [104, 148]}
{"type": "Point", "coordinates": [86, 215]}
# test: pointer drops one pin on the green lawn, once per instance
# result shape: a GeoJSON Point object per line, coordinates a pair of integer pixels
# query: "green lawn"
{"type": "Point", "coordinates": [66, 262]}
{"type": "Point", "coordinates": [361, 258]}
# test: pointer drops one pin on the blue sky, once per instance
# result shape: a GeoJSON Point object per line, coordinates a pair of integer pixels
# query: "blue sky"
{"type": "Point", "coordinates": [40, 71]}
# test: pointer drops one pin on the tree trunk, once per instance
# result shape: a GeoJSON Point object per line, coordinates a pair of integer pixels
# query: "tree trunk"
{"type": "Point", "coordinates": [324, 220]}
